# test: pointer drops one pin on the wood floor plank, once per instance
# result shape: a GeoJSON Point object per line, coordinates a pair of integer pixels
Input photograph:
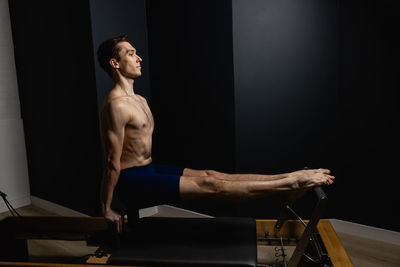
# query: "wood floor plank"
{"type": "Point", "coordinates": [370, 253]}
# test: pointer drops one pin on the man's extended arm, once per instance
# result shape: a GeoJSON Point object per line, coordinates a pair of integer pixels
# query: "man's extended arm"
{"type": "Point", "coordinates": [113, 135]}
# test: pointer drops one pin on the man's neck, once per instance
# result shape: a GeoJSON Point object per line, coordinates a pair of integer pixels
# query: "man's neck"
{"type": "Point", "coordinates": [126, 85]}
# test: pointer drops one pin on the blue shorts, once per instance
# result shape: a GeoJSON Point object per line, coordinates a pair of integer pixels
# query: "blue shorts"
{"type": "Point", "coordinates": [150, 185]}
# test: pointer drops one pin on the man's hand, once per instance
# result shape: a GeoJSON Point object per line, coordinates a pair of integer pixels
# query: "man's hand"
{"type": "Point", "coordinates": [312, 177]}
{"type": "Point", "coordinates": [114, 217]}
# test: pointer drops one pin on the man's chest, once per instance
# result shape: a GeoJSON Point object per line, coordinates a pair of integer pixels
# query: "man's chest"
{"type": "Point", "coordinates": [141, 116]}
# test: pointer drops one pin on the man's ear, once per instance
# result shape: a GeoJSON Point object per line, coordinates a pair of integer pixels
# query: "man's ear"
{"type": "Point", "coordinates": [114, 63]}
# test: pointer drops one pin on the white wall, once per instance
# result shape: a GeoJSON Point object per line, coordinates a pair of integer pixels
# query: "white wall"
{"type": "Point", "coordinates": [14, 179]}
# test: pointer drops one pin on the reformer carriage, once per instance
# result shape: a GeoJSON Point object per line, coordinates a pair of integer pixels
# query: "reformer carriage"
{"type": "Point", "coordinates": [185, 241]}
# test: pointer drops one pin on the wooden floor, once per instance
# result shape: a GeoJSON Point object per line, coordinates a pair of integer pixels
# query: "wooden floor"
{"type": "Point", "coordinates": [369, 253]}
{"type": "Point", "coordinates": [362, 251]}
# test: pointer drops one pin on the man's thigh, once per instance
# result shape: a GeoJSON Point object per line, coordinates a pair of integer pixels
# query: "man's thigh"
{"type": "Point", "coordinates": [196, 186]}
{"type": "Point", "coordinates": [193, 172]}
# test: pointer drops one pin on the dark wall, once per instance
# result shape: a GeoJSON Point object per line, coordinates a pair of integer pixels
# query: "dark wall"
{"type": "Point", "coordinates": [260, 86]}
{"type": "Point", "coordinates": [54, 60]}
{"type": "Point", "coordinates": [369, 138]}
{"type": "Point", "coordinates": [191, 69]}
{"type": "Point", "coordinates": [115, 18]}
{"type": "Point", "coordinates": [314, 86]}
{"type": "Point", "coordinates": [285, 58]}
{"type": "Point", "coordinates": [285, 83]}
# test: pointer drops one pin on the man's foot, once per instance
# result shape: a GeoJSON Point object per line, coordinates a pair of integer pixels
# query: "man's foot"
{"type": "Point", "coordinates": [311, 178]}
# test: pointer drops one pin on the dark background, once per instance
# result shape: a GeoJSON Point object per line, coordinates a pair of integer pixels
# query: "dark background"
{"type": "Point", "coordinates": [237, 86]}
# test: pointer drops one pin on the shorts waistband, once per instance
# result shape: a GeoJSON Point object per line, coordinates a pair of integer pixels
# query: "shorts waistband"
{"type": "Point", "coordinates": [139, 169]}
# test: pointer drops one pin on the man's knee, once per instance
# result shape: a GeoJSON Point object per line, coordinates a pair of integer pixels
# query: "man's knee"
{"type": "Point", "coordinates": [200, 186]}
{"type": "Point", "coordinates": [211, 185]}
{"type": "Point", "coordinates": [213, 173]}
{"type": "Point", "coordinates": [226, 190]}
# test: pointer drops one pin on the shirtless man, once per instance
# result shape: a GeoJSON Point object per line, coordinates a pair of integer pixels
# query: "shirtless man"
{"type": "Point", "coordinates": [127, 124]}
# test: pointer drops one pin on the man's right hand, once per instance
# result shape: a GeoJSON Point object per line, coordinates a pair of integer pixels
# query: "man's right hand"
{"type": "Point", "coordinates": [114, 217]}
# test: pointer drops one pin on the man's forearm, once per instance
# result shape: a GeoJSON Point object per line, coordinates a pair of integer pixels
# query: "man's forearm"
{"type": "Point", "coordinates": [109, 181]}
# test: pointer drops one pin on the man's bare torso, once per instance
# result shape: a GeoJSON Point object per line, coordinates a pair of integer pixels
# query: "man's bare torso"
{"type": "Point", "coordinates": [138, 130]}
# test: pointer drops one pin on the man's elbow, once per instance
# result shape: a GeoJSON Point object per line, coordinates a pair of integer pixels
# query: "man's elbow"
{"type": "Point", "coordinates": [113, 166]}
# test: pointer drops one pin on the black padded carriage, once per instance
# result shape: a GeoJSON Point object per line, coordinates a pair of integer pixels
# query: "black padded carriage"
{"type": "Point", "coordinates": [189, 241]}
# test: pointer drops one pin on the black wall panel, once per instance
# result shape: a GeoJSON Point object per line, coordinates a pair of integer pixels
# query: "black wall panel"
{"type": "Point", "coordinates": [314, 86]}
{"type": "Point", "coordinates": [368, 108]}
{"type": "Point", "coordinates": [190, 49]}
{"type": "Point", "coordinates": [54, 60]}
{"type": "Point", "coordinates": [286, 82]}
{"type": "Point", "coordinates": [191, 70]}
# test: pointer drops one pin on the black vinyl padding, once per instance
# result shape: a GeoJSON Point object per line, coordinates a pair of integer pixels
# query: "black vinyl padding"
{"type": "Point", "coordinates": [189, 241]}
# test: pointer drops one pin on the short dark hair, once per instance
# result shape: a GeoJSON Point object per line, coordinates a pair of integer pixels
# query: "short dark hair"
{"type": "Point", "coordinates": [109, 49]}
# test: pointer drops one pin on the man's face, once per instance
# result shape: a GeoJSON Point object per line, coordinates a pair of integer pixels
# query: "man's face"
{"type": "Point", "coordinates": [129, 63]}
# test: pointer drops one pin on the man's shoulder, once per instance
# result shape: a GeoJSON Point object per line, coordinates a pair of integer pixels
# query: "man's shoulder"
{"type": "Point", "coordinates": [115, 99]}
{"type": "Point", "coordinates": [116, 105]}
{"type": "Point", "coordinates": [115, 102]}
{"type": "Point", "coordinates": [116, 111]}
{"type": "Point", "coordinates": [141, 97]}
{"type": "Point", "coordinates": [113, 105]}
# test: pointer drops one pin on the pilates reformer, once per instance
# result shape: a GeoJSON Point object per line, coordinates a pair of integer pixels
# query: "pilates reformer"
{"type": "Point", "coordinates": [155, 241]}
